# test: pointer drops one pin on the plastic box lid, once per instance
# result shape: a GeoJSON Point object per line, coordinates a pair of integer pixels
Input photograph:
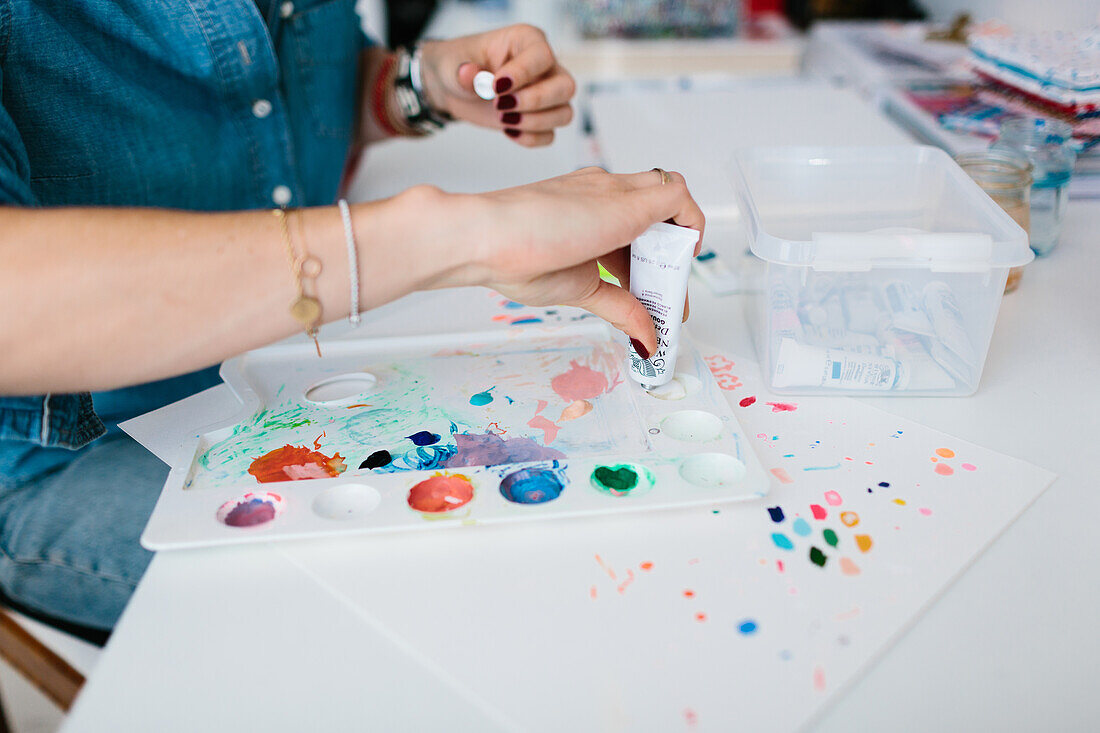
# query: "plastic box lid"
{"type": "Point", "coordinates": [852, 209]}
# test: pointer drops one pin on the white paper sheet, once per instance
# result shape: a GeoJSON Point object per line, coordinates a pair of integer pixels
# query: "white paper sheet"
{"type": "Point", "coordinates": [700, 619]}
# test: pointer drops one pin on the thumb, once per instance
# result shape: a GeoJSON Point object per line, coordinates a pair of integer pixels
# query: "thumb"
{"type": "Point", "coordinates": [623, 311]}
{"type": "Point", "coordinates": [465, 76]}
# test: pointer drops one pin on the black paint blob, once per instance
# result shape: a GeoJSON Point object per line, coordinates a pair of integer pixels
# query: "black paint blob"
{"type": "Point", "coordinates": [377, 459]}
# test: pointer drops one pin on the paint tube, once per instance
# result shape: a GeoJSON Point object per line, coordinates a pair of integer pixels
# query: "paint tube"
{"type": "Point", "coordinates": [943, 311]}
{"type": "Point", "coordinates": [660, 262]}
{"type": "Point", "coordinates": [904, 308]}
{"type": "Point", "coordinates": [798, 365]}
{"type": "Point", "coordinates": [820, 287]}
{"type": "Point", "coordinates": [783, 322]}
{"type": "Point", "coordinates": [839, 338]}
{"type": "Point", "coordinates": [860, 310]}
{"type": "Point", "coordinates": [921, 372]}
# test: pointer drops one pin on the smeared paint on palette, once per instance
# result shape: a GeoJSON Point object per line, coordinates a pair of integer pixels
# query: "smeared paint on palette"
{"type": "Point", "coordinates": [463, 429]}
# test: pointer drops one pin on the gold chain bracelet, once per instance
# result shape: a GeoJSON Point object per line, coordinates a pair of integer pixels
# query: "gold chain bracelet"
{"type": "Point", "coordinates": [306, 308]}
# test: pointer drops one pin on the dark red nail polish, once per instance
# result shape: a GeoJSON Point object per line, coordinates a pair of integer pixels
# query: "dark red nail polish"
{"type": "Point", "coordinates": [510, 118]}
{"type": "Point", "coordinates": [508, 101]}
{"type": "Point", "coordinates": [640, 348]}
{"type": "Point", "coordinates": [503, 84]}
{"type": "Point", "coordinates": [512, 132]}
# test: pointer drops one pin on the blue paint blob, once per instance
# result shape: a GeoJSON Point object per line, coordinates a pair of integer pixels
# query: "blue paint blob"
{"type": "Point", "coordinates": [482, 398]}
{"type": "Point", "coordinates": [884, 484]}
{"type": "Point", "coordinates": [531, 486]}
{"type": "Point", "coordinates": [801, 527]}
{"type": "Point", "coordinates": [782, 541]}
{"type": "Point", "coordinates": [423, 438]}
{"type": "Point", "coordinates": [522, 321]}
{"type": "Point", "coordinates": [513, 304]}
{"type": "Point", "coordinates": [748, 626]}
{"type": "Point", "coordinates": [776, 513]}
{"type": "Point", "coordinates": [377, 459]}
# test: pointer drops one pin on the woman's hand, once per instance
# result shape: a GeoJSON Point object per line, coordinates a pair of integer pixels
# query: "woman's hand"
{"type": "Point", "coordinates": [539, 244]}
{"type": "Point", "coordinates": [533, 91]}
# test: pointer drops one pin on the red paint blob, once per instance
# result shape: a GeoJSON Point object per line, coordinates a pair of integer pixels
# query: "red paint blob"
{"type": "Point", "coordinates": [295, 463]}
{"type": "Point", "coordinates": [944, 470]}
{"type": "Point", "coordinates": [441, 493]}
{"type": "Point", "coordinates": [819, 511]}
{"type": "Point", "coordinates": [747, 401]}
{"type": "Point", "coordinates": [782, 406]}
{"type": "Point", "coordinates": [579, 383]}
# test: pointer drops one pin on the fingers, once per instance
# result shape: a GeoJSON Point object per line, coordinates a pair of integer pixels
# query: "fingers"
{"type": "Point", "coordinates": [530, 139]}
{"type": "Point", "coordinates": [617, 262]}
{"type": "Point", "coordinates": [671, 202]}
{"type": "Point", "coordinates": [529, 59]}
{"type": "Point", "coordinates": [623, 311]}
{"type": "Point", "coordinates": [538, 121]}
{"type": "Point", "coordinates": [554, 91]}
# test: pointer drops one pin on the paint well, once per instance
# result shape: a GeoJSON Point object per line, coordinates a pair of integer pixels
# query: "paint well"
{"type": "Point", "coordinates": [622, 479]}
{"type": "Point", "coordinates": [692, 426]}
{"type": "Point", "coordinates": [348, 501]}
{"type": "Point", "coordinates": [251, 510]}
{"type": "Point", "coordinates": [712, 470]}
{"type": "Point", "coordinates": [531, 486]}
{"type": "Point", "coordinates": [441, 493]}
{"type": "Point", "coordinates": [342, 388]}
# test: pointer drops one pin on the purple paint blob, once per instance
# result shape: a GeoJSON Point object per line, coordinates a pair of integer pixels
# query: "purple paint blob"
{"type": "Point", "coordinates": [489, 449]}
{"type": "Point", "coordinates": [250, 510]}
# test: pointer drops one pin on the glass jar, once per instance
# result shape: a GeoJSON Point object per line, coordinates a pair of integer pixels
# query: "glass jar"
{"type": "Point", "coordinates": [1048, 145]}
{"type": "Point", "coordinates": [1006, 177]}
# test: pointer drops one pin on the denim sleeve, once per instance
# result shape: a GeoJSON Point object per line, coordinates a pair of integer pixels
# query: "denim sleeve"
{"type": "Point", "coordinates": [64, 421]}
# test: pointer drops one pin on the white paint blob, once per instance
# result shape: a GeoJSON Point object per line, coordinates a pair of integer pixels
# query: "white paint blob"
{"type": "Point", "coordinates": [483, 85]}
{"type": "Point", "coordinates": [343, 388]}
{"type": "Point", "coordinates": [681, 386]}
{"type": "Point", "coordinates": [692, 426]}
{"type": "Point", "coordinates": [712, 470]}
{"type": "Point", "coordinates": [347, 501]}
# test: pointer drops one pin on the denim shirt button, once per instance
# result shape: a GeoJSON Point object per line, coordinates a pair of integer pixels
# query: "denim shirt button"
{"type": "Point", "coordinates": [261, 108]}
{"type": "Point", "coordinates": [281, 195]}
{"type": "Point", "coordinates": [286, 9]}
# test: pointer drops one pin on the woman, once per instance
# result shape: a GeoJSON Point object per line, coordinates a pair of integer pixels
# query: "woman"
{"type": "Point", "coordinates": [121, 122]}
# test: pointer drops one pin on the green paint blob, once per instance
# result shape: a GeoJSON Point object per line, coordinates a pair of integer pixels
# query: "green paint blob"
{"type": "Point", "coordinates": [817, 557]}
{"type": "Point", "coordinates": [830, 537]}
{"type": "Point", "coordinates": [622, 479]}
{"type": "Point", "coordinates": [618, 478]}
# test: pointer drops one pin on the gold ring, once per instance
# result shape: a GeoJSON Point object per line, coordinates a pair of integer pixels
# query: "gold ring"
{"type": "Point", "coordinates": [665, 177]}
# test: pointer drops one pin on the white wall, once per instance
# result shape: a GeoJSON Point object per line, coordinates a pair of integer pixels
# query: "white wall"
{"type": "Point", "coordinates": [1021, 14]}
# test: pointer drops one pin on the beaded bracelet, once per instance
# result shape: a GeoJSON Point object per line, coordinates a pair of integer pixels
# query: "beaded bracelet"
{"type": "Point", "coordinates": [408, 89]}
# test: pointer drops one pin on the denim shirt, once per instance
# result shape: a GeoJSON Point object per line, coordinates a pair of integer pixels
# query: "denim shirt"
{"type": "Point", "coordinates": [190, 104]}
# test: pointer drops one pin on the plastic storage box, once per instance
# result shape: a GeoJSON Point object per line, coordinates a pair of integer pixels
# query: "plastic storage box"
{"type": "Point", "coordinates": [886, 267]}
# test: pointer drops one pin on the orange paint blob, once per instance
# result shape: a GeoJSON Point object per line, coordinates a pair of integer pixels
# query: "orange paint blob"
{"type": "Point", "coordinates": [573, 410]}
{"type": "Point", "coordinates": [295, 463]}
{"type": "Point", "coordinates": [441, 493]}
{"type": "Point", "coordinates": [944, 470]}
{"type": "Point", "coordinates": [689, 593]}
{"type": "Point", "coordinates": [646, 566]}
{"type": "Point", "coordinates": [848, 567]}
{"type": "Point", "coordinates": [700, 617]}
{"type": "Point", "coordinates": [945, 453]}
{"type": "Point", "coordinates": [863, 542]}
{"type": "Point", "coordinates": [579, 383]}
{"type": "Point", "coordinates": [850, 519]}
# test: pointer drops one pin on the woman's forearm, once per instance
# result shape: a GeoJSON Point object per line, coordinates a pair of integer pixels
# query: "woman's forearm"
{"type": "Point", "coordinates": [100, 298]}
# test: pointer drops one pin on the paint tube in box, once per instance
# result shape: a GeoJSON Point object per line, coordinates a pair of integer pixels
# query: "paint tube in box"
{"type": "Point", "coordinates": [947, 322]}
{"type": "Point", "coordinates": [839, 338]}
{"type": "Point", "coordinates": [860, 310]}
{"type": "Point", "coordinates": [904, 308]}
{"type": "Point", "coordinates": [921, 371]}
{"type": "Point", "coordinates": [660, 262]}
{"type": "Point", "coordinates": [799, 365]}
{"type": "Point", "coordinates": [783, 321]}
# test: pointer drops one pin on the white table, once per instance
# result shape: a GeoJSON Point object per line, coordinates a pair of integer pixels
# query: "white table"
{"type": "Point", "coordinates": [241, 639]}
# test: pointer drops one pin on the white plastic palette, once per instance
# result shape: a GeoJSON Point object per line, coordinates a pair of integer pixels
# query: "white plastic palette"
{"type": "Point", "coordinates": [443, 430]}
